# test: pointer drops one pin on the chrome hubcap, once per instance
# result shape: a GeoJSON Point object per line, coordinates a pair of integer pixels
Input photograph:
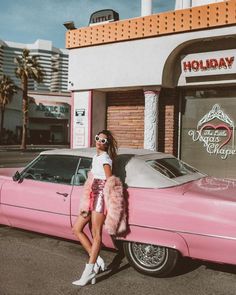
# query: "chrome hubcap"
{"type": "Point", "coordinates": [149, 256]}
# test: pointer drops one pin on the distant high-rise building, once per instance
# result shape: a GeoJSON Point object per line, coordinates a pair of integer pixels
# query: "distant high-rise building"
{"type": "Point", "coordinates": [54, 63]}
{"type": "Point", "coordinates": [49, 101]}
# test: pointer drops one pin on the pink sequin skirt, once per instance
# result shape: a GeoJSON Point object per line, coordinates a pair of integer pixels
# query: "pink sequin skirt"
{"type": "Point", "coordinates": [97, 197]}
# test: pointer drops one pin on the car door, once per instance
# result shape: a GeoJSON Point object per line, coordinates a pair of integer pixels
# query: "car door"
{"type": "Point", "coordinates": [78, 181]}
{"type": "Point", "coordinates": [40, 199]}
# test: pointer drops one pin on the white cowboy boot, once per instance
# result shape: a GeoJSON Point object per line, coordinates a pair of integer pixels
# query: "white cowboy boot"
{"type": "Point", "coordinates": [99, 264]}
{"type": "Point", "coordinates": [88, 276]}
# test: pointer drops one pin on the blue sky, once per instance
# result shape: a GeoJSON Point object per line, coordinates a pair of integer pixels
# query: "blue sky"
{"type": "Point", "coordinates": [25, 21]}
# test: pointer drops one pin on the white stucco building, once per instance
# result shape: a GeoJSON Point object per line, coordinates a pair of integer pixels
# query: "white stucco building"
{"type": "Point", "coordinates": [161, 81]}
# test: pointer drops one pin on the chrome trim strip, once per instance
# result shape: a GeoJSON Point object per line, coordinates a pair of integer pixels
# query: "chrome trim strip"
{"type": "Point", "coordinates": [185, 232]}
{"type": "Point", "coordinates": [33, 209]}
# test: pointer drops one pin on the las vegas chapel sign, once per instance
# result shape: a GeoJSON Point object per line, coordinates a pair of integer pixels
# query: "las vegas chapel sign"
{"type": "Point", "coordinates": [215, 131]}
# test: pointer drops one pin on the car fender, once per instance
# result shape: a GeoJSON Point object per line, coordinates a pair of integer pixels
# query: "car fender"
{"type": "Point", "coordinates": [3, 220]}
{"type": "Point", "coordinates": [1, 184]}
{"type": "Point", "coordinates": [155, 236]}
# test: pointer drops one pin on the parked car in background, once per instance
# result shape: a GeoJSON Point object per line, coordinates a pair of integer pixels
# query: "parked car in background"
{"type": "Point", "coordinates": [173, 209]}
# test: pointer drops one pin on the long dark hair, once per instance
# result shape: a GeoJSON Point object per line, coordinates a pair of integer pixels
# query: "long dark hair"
{"type": "Point", "coordinates": [111, 147]}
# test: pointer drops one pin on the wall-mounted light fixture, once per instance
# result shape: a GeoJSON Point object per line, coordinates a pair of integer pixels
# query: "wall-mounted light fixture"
{"type": "Point", "coordinates": [69, 25]}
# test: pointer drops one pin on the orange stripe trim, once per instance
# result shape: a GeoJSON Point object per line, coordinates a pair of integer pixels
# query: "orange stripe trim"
{"type": "Point", "coordinates": [178, 21]}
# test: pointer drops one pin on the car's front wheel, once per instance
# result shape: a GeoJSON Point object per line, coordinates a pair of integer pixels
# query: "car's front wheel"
{"type": "Point", "coordinates": [151, 259]}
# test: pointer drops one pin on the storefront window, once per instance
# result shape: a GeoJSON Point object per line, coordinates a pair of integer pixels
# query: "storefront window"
{"type": "Point", "coordinates": [211, 93]}
{"type": "Point", "coordinates": [208, 130]}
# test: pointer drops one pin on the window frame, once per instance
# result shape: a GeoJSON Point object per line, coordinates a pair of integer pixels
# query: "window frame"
{"type": "Point", "coordinates": [73, 181]}
{"type": "Point", "coordinates": [38, 158]}
{"type": "Point", "coordinates": [167, 172]}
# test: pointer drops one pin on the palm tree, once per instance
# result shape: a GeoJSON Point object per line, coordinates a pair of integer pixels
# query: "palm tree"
{"type": "Point", "coordinates": [7, 90]}
{"type": "Point", "coordinates": [27, 68]}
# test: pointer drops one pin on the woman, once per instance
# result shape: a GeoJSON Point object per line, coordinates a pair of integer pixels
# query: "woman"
{"type": "Point", "coordinates": [101, 189]}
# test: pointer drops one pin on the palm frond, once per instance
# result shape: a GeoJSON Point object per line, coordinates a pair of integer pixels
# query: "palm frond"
{"type": "Point", "coordinates": [28, 66]}
{"type": "Point", "coordinates": [7, 90]}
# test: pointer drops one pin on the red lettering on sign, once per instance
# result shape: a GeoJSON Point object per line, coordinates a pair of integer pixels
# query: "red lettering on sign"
{"type": "Point", "coordinates": [195, 65]}
{"type": "Point", "coordinates": [230, 61]}
{"type": "Point", "coordinates": [222, 63]}
{"type": "Point", "coordinates": [187, 66]}
{"type": "Point", "coordinates": [213, 63]}
{"type": "Point", "coordinates": [202, 66]}
{"type": "Point", "coordinates": [208, 64]}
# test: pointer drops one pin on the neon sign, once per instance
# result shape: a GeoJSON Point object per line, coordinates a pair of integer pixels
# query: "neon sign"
{"type": "Point", "coordinates": [215, 136]}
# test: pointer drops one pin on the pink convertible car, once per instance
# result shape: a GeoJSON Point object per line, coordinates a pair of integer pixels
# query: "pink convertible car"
{"type": "Point", "coordinates": [173, 209]}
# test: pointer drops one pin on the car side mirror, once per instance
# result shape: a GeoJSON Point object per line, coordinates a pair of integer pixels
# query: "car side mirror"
{"type": "Point", "coordinates": [16, 176]}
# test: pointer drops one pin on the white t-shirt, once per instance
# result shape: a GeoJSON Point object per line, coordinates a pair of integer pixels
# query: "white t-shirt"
{"type": "Point", "coordinates": [97, 165]}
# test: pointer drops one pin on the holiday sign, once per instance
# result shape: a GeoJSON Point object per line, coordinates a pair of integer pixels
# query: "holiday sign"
{"type": "Point", "coordinates": [209, 63]}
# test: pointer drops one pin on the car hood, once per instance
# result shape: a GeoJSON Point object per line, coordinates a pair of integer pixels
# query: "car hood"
{"type": "Point", "coordinates": [211, 187]}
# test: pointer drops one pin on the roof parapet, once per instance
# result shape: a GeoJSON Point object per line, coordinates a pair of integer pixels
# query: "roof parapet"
{"type": "Point", "coordinates": [179, 21]}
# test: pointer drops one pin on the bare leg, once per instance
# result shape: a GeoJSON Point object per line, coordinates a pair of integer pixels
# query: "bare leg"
{"type": "Point", "coordinates": [78, 231]}
{"type": "Point", "coordinates": [97, 224]}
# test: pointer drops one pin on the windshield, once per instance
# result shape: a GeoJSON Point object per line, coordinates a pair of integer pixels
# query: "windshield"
{"type": "Point", "coordinates": [171, 167]}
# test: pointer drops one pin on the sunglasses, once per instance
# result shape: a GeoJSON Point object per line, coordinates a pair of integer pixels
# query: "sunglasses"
{"type": "Point", "coordinates": [101, 140]}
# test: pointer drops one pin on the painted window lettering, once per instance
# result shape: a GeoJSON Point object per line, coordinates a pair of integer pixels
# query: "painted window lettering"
{"type": "Point", "coordinates": [216, 131]}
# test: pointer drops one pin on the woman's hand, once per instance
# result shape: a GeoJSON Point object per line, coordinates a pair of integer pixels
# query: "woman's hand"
{"type": "Point", "coordinates": [107, 169]}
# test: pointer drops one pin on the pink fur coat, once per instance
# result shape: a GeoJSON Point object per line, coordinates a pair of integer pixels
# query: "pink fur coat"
{"type": "Point", "coordinates": [115, 222]}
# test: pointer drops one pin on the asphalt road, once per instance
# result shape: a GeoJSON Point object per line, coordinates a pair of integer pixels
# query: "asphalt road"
{"type": "Point", "coordinates": [35, 264]}
{"type": "Point", "coordinates": [17, 158]}
{"type": "Point", "coordinates": [12, 156]}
